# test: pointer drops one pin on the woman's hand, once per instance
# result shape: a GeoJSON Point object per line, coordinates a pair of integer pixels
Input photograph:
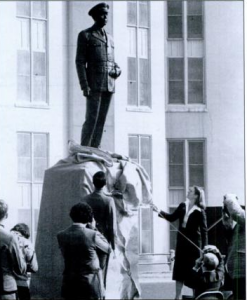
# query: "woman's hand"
{"type": "Point", "coordinates": [155, 208]}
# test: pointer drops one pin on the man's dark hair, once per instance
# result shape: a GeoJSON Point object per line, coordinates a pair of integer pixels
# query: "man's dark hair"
{"type": "Point", "coordinates": [3, 209]}
{"type": "Point", "coordinates": [99, 179]}
{"type": "Point", "coordinates": [81, 213]}
{"type": "Point", "coordinates": [23, 229]}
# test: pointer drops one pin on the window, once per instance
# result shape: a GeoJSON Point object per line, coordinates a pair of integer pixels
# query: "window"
{"type": "Point", "coordinates": [186, 168]}
{"type": "Point", "coordinates": [139, 93]}
{"type": "Point", "coordinates": [140, 152]}
{"type": "Point", "coordinates": [32, 154]}
{"type": "Point", "coordinates": [185, 52]}
{"type": "Point", "coordinates": [32, 52]}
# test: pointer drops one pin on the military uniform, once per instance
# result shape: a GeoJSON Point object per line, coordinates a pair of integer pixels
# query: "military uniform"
{"type": "Point", "coordinates": [97, 70]}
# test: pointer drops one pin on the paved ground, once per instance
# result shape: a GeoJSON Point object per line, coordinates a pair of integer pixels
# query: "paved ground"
{"type": "Point", "coordinates": [160, 288]}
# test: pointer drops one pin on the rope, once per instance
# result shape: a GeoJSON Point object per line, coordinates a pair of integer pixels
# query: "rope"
{"type": "Point", "coordinates": [215, 224]}
{"type": "Point", "coordinates": [185, 237]}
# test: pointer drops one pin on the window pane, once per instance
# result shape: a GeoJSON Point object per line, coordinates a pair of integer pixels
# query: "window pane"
{"type": "Point", "coordinates": [132, 93]}
{"type": "Point", "coordinates": [195, 27]}
{"type": "Point", "coordinates": [176, 175]}
{"type": "Point", "coordinates": [132, 81]}
{"type": "Point", "coordinates": [196, 175]}
{"type": "Point", "coordinates": [176, 152]}
{"type": "Point", "coordinates": [39, 9]}
{"type": "Point", "coordinates": [146, 233]}
{"type": "Point", "coordinates": [176, 69]}
{"type": "Point", "coordinates": [133, 147]}
{"type": "Point", "coordinates": [40, 156]}
{"type": "Point", "coordinates": [23, 88]}
{"type": "Point", "coordinates": [132, 69]}
{"type": "Point", "coordinates": [146, 241]}
{"type": "Point", "coordinates": [132, 16]}
{"type": "Point", "coordinates": [145, 147]}
{"type": "Point", "coordinates": [23, 35]}
{"type": "Point", "coordinates": [176, 92]}
{"type": "Point", "coordinates": [194, 7]}
{"type": "Point", "coordinates": [175, 27]}
{"type": "Point", "coordinates": [176, 161]}
{"type": "Point", "coordinates": [143, 43]}
{"type": "Point", "coordinates": [196, 152]}
{"type": "Point", "coordinates": [24, 144]}
{"type": "Point", "coordinates": [39, 36]}
{"type": "Point", "coordinates": [132, 42]}
{"type": "Point", "coordinates": [40, 145]}
{"type": "Point", "coordinates": [195, 69]}
{"type": "Point", "coordinates": [39, 167]}
{"type": "Point", "coordinates": [144, 82]}
{"type": "Point", "coordinates": [195, 92]}
{"type": "Point", "coordinates": [39, 64]}
{"type": "Point", "coordinates": [174, 8]}
{"type": "Point", "coordinates": [23, 63]}
{"type": "Point", "coordinates": [24, 216]}
{"type": "Point", "coordinates": [146, 218]}
{"type": "Point", "coordinates": [23, 8]}
{"type": "Point", "coordinates": [24, 156]}
{"type": "Point", "coordinates": [24, 169]}
{"type": "Point", "coordinates": [146, 164]}
{"type": "Point", "coordinates": [143, 14]}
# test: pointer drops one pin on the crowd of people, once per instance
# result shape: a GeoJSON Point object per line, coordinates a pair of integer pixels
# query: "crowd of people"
{"type": "Point", "coordinates": [86, 246]}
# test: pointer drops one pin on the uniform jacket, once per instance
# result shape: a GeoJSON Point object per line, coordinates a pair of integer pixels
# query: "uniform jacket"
{"type": "Point", "coordinates": [79, 247]}
{"type": "Point", "coordinates": [104, 214]}
{"type": "Point", "coordinates": [11, 261]}
{"type": "Point", "coordinates": [95, 63]}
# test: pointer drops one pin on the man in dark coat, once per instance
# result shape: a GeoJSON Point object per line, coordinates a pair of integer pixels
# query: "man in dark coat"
{"type": "Point", "coordinates": [82, 276]}
{"type": "Point", "coordinates": [234, 220]}
{"type": "Point", "coordinates": [97, 72]}
{"type": "Point", "coordinates": [104, 212]}
{"type": "Point", "coordinates": [11, 258]}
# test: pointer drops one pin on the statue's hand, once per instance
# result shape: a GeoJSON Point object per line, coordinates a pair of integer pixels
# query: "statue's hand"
{"type": "Point", "coordinates": [86, 91]}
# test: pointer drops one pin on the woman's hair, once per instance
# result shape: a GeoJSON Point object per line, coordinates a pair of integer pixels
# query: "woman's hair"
{"type": "Point", "coordinates": [200, 200]}
{"type": "Point", "coordinates": [23, 229]}
{"type": "Point", "coordinates": [81, 213]}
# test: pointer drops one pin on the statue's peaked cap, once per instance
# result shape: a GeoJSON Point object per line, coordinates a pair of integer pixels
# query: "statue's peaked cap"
{"type": "Point", "coordinates": [99, 7]}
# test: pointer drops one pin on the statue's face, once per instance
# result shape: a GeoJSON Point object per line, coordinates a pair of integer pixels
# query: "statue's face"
{"type": "Point", "coordinates": [101, 18]}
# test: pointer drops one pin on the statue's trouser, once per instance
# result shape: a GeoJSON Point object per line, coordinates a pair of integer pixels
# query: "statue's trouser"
{"type": "Point", "coordinates": [96, 111]}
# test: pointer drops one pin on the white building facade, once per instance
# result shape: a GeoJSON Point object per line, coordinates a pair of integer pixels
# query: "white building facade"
{"type": "Point", "coordinates": [178, 108]}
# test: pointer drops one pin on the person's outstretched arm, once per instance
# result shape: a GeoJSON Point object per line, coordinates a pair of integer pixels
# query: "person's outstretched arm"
{"type": "Point", "coordinates": [169, 217]}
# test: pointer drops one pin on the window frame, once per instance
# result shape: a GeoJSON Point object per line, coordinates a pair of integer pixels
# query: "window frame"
{"type": "Point", "coordinates": [186, 106]}
{"type": "Point", "coordinates": [186, 186]}
{"type": "Point", "coordinates": [139, 107]}
{"type": "Point", "coordinates": [32, 104]}
{"type": "Point", "coordinates": [31, 183]}
{"type": "Point", "coordinates": [143, 207]}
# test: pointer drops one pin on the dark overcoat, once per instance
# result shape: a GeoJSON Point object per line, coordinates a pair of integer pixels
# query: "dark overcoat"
{"type": "Point", "coordinates": [196, 231]}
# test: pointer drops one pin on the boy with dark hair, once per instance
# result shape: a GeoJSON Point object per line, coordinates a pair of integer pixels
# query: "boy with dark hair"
{"type": "Point", "coordinates": [82, 276]}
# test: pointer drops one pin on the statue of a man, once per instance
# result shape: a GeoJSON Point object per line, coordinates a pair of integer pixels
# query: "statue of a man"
{"type": "Point", "coordinates": [97, 72]}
